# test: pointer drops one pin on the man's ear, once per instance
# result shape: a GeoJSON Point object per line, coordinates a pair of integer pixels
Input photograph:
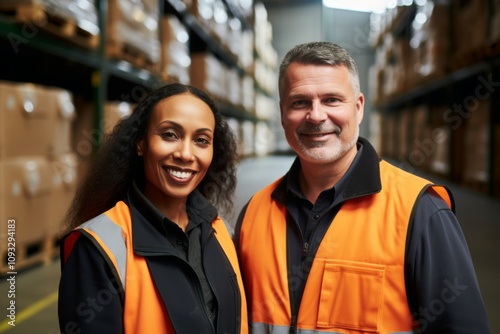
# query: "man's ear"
{"type": "Point", "coordinates": [360, 107]}
{"type": "Point", "coordinates": [282, 116]}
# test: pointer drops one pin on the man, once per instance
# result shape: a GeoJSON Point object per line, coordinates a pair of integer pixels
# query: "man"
{"type": "Point", "coordinates": [345, 242]}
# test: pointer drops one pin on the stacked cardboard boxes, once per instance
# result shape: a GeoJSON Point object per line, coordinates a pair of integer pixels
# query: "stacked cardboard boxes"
{"type": "Point", "coordinates": [235, 126]}
{"type": "Point", "coordinates": [439, 142]}
{"type": "Point", "coordinates": [175, 59]}
{"type": "Point", "coordinates": [75, 21]}
{"type": "Point", "coordinates": [85, 137]}
{"type": "Point", "coordinates": [247, 138]}
{"type": "Point", "coordinates": [114, 112]}
{"type": "Point", "coordinates": [37, 166]}
{"type": "Point", "coordinates": [133, 32]}
{"type": "Point", "coordinates": [266, 60]}
{"type": "Point", "coordinates": [420, 156]}
{"type": "Point", "coordinates": [470, 27]}
{"type": "Point", "coordinates": [449, 41]}
{"type": "Point", "coordinates": [248, 98]}
{"type": "Point", "coordinates": [209, 73]}
{"type": "Point", "coordinates": [228, 31]}
{"type": "Point", "coordinates": [430, 40]}
{"type": "Point", "coordinates": [476, 146]}
{"type": "Point", "coordinates": [264, 139]}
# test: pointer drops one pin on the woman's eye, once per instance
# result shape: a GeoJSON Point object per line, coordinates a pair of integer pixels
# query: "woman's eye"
{"type": "Point", "coordinates": [202, 141]}
{"type": "Point", "coordinates": [169, 135]}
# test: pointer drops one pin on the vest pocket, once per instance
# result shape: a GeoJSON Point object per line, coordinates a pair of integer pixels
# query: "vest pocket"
{"type": "Point", "coordinates": [351, 295]}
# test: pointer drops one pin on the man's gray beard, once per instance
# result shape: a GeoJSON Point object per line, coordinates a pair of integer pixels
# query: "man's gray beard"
{"type": "Point", "coordinates": [332, 155]}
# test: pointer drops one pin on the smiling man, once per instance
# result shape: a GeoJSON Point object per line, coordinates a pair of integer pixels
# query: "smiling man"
{"type": "Point", "coordinates": [346, 242]}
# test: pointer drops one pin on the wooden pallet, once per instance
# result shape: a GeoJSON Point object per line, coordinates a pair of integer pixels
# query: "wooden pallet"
{"type": "Point", "coordinates": [124, 51]}
{"type": "Point", "coordinates": [39, 16]}
{"type": "Point", "coordinates": [31, 253]}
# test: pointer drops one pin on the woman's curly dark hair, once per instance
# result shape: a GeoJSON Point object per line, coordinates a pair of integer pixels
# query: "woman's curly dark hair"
{"type": "Point", "coordinates": [117, 164]}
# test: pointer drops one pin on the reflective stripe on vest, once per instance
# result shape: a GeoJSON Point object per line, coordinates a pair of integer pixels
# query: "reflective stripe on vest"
{"type": "Point", "coordinates": [110, 236]}
{"type": "Point", "coordinates": [356, 279]}
{"type": "Point", "coordinates": [260, 328]}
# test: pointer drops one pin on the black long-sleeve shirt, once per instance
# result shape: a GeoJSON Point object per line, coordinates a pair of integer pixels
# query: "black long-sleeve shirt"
{"type": "Point", "coordinates": [442, 289]}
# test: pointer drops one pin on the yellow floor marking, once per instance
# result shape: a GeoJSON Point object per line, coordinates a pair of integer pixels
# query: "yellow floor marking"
{"type": "Point", "coordinates": [29, 311]}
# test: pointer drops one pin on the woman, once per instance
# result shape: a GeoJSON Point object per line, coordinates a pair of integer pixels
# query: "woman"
{"type": "Point", "coordinates": [147, 252]}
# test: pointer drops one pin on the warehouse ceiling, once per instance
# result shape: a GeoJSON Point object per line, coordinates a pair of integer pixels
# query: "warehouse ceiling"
{"type": "Point", "coordinates": [283, 3]}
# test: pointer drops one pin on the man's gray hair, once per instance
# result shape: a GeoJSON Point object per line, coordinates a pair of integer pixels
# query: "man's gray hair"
{"type": "Point", "coordinates": [320, 53]}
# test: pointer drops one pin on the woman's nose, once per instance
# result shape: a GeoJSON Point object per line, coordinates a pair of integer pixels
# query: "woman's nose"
{"type": "Point", "coordinates": [184, 151]}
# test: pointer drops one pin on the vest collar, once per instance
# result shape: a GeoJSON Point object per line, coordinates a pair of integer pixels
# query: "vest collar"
{"type": "Point", "coordinates": [362, 180]}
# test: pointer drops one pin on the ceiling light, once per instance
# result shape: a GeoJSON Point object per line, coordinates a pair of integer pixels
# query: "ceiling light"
{"type": "Point", "coordinates": [376, 6]}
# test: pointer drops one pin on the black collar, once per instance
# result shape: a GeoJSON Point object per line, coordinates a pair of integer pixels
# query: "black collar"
{"type": "Point", "coordinates": [148, 231]}
{"type": "Point", "coordinates": [362, 179]}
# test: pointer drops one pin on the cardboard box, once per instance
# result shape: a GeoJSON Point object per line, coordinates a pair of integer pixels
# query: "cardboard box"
{"type": "Point", "coordinates": [209, 74]}
{"type": "Point", "coordinates": [175, 59]}
{"type": "Point", "coordinates": [477, 144]}
{"type": "Point", "coordinates": [63, 118]}
{"type": "Point", "coordinates": [64, 169]}
{"type": "Point", "coordinates": [405, 133]}
{"type": "Point", "coordinates": [470, 26]}
{"type": "Point", "coordinates": [133, 31]}
{"type": "Point", "coordinates": [421, 149]}
{"type": "Point", "coordinates": [114, 112]}
{"type": "Point", "coordinates": [440, 141]}
{"type": "Point", "coordinates": [431, 40]}
{"type": "Point", "coordinates": [248, 138]}
{"type": "Point", "coordinates": [25, 186]}
{"type": "Point", "coordinates": [388, 136]}
{"type": "Point", "coordinates": [248, 94]}
{"type": "Point", "coordinates": [34, 119]}
{"type": "Point", "coordinates": [235, 126]}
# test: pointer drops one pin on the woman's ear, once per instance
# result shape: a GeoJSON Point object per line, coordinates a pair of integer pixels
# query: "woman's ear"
{"type": "Point", "coordinates": [140, 145]}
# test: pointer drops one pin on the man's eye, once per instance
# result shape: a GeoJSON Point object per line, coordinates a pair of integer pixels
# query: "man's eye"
{"type": "Point", "coordinates": [331, 100]}
{"type": "Point", "coordinates": [299, 103]}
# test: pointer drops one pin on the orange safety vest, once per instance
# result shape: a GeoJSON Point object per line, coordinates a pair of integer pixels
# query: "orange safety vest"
{"type": "Point", "coordinates": [356, 282]}
{"type": "Point", "coordinates": [144, 310]}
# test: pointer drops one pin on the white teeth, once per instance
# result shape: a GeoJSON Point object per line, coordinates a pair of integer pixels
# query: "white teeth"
{"type": "Point", "coordinates": [178, 174]}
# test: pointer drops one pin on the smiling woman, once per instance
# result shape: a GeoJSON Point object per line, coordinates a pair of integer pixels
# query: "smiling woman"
{"type": "Point", "coordinates": [146, 239]}
{"type": "Point", "coordinates": [177, 151]}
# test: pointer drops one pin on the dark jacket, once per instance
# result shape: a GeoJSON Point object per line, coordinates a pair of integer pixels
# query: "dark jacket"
{"type": "Point", "coordinates": [86, 272]}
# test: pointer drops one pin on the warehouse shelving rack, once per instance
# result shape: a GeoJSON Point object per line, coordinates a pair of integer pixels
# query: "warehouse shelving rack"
{"type": "Point", "coordinates": [30, 55]}
{"type": "Point", "coordinates": [459, 79]}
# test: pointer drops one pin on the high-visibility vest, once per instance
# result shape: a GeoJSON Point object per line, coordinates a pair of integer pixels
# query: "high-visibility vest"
{"type": "Point", "coordinates": [356, 282]}
{"type": "Point", "coordinates": [144, 310]}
